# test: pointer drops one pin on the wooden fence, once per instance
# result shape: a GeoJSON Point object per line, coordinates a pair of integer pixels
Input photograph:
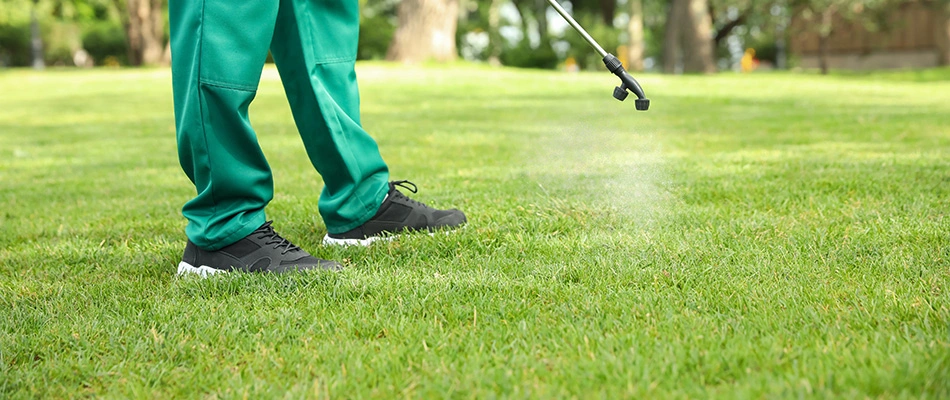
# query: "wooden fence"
{"type": "Point", "coordinates": [911, 27]}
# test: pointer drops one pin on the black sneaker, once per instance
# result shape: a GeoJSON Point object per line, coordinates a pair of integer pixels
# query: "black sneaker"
{"type": "Point", "coordinates": [262, 251]}
{"type": "Point", "coordinates": [398, 214]}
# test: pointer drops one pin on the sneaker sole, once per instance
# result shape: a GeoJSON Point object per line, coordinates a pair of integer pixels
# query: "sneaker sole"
{"type": "Point", "coordinates": [203, 271]}
{"type": "Point", "coordinates": [329, 241]}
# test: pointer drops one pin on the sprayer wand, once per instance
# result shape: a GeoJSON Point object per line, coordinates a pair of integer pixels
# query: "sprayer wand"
{"type": "Point", "coordinates": [613, 64]}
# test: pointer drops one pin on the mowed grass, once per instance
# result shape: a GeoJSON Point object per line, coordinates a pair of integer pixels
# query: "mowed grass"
{"type": "Point", "coordinates": [751, 236]}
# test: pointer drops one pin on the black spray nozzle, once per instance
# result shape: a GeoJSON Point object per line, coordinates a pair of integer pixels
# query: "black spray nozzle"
{"type": "Point", "coordinates": [627, 83]}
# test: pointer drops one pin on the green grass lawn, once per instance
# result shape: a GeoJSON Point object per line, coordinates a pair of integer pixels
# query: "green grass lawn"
{"type": "Point", "coordinates": [753, 236]}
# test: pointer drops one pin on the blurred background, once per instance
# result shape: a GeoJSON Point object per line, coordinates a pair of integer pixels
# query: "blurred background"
{"type": "Point", "coordinates": [669, 36]}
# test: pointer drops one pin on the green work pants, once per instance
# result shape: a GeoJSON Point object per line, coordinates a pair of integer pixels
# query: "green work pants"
{"type": "Point", "coordinates": [218, 51]}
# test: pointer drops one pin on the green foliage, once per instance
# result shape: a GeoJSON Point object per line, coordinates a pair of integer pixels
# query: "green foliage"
{"type": "Point", "coordinates": [475, 20]}
{"type": "Point", "coordinates": [15, 49]}
{"type": "Point", "coordinates": [82, 11]}
{"type": "Point", "coordinates": [592, 8]}
{"type": "Point", "coordinates": [60, 40]}
{"type": "Point", "coordinates": [376, 32]}
{"type": "Point", "coordinates": [377, 26]}
{"type": "Point", "coordinates": [766, 51]}
{"type": "Point", "coordinates": [871, 14]}
{"type": "Point", "coordinates": [66, 26]}
{"type": "Point", "coordinates": [524, 56]}
{"type": "Point", "coordinates": [58, 55]}
{"type": "Point", "coordinates": [653, 43]}
{"type": "Point", "coordinates": [607, 36]}
{"type": "Point", "coordinates": [105, 39]}
{"type": "Point", "coordinates": [15, 45]}
{"type": "Point", "coordinates": [760, 38]}
{"type": "Point", "coordinates": [14, 12]}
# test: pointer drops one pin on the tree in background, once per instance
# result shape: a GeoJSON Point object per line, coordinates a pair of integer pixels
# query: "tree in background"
{"type": "Point", "coordinates": [635, 35]}
{"type": "Point", "coordinates": [672, 49]}
{"type": "Point", "coordinates": [824, 15]}
{"type": "Point", "coordinates": [699, 55]}
{"type": "Point", "coordinates": [728, 15]}
{"type": "Point", "coordinates": [73, 32]}
{"type": "Point", "coordinates": [942, 9]}
{"type": "Point", "coordinates": [742, 24]}
{"type": "Point", "coordinates": [66, 24]}
{"type": "Point", "coordinates": [536, 11]}
{"type": "Point", "coordinates": [507, 32]}
{"type": "Point", "coordinates": [689, 38]}
{"type": "Point", "coordinates": [691, 34]}
{"type": "Point", "coordinates": [36, 40]}
{"type": "Point", "coordinates": [145, 29]}
{"type": "Point", "coordinates": [425, 31]}
{"type": "Point", "coordinates": [606, 10]}
{"type": "Point", "coordinates": [377, 26]}
{"type": "Point", "coordinates": [533, 24]}
{"type": "Point", "coordinates": [495, 41]}
{"type": "Point", "coordinates": [820, 14]}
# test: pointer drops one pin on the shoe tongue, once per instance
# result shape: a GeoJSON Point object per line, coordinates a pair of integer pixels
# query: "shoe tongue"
{"type": "Point", "coordinates": [274, 239]}
{"type": "Point", "coordinates": [393, 193]}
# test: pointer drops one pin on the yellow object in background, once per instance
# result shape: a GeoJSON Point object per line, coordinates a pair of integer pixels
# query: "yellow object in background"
{"type": "Point", "coordinates": [622, 55]}
{"type": "Point", "coordinates": [570, 64]}
{"type": "Point", "coordinates": [749, 63]}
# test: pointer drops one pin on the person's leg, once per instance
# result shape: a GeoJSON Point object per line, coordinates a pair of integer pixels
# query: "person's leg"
{"type": "Point", "coordinates": [314, 47]}
{"type": "Point", "coordinates": [218, 50]}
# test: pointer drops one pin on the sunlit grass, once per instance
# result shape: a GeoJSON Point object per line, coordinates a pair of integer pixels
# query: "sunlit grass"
{"type": "Point", "coordinates": [750, 236]}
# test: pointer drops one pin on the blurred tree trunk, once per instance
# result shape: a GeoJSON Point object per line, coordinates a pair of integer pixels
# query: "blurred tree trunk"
{"type": "Point", "coordinates": [36, 40]}
{"type": "Point", "coordinates": [541, 15]}
{"type": "Point", "coordinates": [608, 9]}
{"type": "Point", "coordinates": [534, 10]}
{"type": "Point", "coordinates": [825, 28]}
{"type": "Point", "coordinates": [823, 54]}
{"type": "Point", "coordinates": [943, 34]}
{"type": "Point", "coordinates": [426, 30]}
{"type": "Point", "coordinates": [146, 32]}
{"type": "Point", "coordinates": [526, 11]}
{"type": "Point", "coordinates": [698, 44]}
{"type": "Point", "coordinates": [635, 36]}
{"type": "Point", "coordinates": [723, 33]}
{"type": "Point", "coordinates": [526, 15]}
{"type": "Point", "coordinates": [672, 49]}
{"type": "Point", "coordinates": [688, 37]}
{"type": "Point", "coordinates": [495, 41]}
{"type": "Point", "coordinates": [167, 54]}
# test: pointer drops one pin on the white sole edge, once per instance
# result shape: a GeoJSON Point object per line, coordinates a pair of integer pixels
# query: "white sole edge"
{"type": "Point", "coordinates": [203, 271]}
{"type": "Point", "coordinates": [329, 241]}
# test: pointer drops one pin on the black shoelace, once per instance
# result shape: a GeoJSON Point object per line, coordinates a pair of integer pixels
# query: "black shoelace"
{"type": "Point", "coordinates": [266, 231]}
{"type": "Point", "coordinates": [406, 185]}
